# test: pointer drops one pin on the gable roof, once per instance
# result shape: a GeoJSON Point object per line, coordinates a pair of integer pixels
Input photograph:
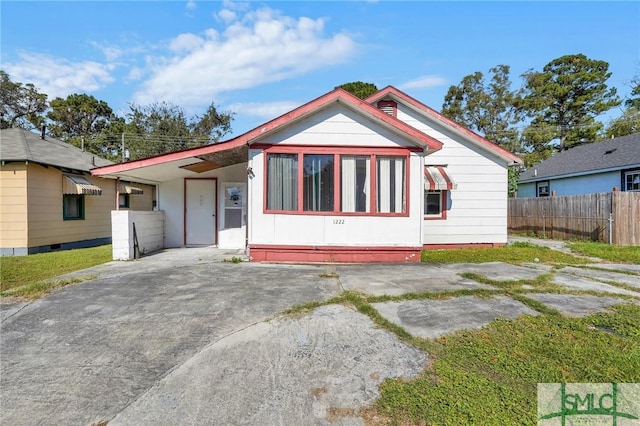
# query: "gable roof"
{"type": "Point", "coordinates": [336, 96]}
{"type": "Point", "coordinates": [23, 145]}
{"type": "Point", "coordinates": [611, 154]}
{"type": "Point", "coordinates": [474, 138]}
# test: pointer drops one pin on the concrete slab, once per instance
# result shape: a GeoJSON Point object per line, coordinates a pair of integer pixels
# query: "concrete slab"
{"type": "Point", "coordinates": [498, 271]}
{"type": "Point", "coordinates": [86, 352]}
{"type": "Point", "coordinates": [620, 266]}
{"type": "Point", "coordinates": [303, 371]}
{"type": "Point", "coordinates": [583, 283]}
{"type": "Point", "coordinates": [632, 280]}
{"type": "Point", "coordinates": [575, 305]}
{"type": "Point", "coordinates": [435, 318]}
{"type": "Point", "coordinates": [394, 280]}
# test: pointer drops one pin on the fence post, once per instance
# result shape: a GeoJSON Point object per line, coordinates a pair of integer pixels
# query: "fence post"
{"type": "Point", "coordinates": [544, 223]}
{"type": "Point", "coordinates": [610, 220]}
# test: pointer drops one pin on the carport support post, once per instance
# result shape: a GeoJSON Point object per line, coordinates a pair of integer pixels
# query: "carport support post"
{"type": "Point", "coordinates": [117, 193]}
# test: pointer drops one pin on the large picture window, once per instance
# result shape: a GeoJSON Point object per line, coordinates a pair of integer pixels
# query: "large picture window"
{"type": "Point", "coordinates": [318, 186]}
{"type": "Point", "coordinates": [355, 172]}
{"type": "Point", "coordinates": [349, 183]}
{"type": "Point", "coordinates": [282, 181]}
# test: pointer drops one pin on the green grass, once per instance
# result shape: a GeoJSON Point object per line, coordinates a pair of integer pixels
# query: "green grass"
{"type": "Point", "coordinates": [618, 254]}
{"type": "Point", "coordinates": [21, 273]}
{"type": "Point", "coordinates": [516, 253]}
{"type": "Point", "coordinates": [489, 376]}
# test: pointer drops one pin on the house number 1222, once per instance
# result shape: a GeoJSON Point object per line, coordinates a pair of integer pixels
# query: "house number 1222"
{"type": "Point", "coordinates": [338, 221]}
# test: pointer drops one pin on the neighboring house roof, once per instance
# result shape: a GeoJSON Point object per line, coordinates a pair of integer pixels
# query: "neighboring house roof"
{"type": "Point", "coordinates": [611, 154]}
{"type": "Point", "coordinates": [22, 145]}
{"type": "Point", "coordinates": [474, 138]}
{"type": "Point", "coordinates": [336, 96]}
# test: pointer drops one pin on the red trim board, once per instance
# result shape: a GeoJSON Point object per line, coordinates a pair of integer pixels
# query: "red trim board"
{"type": "Point", "coordinates": [331, 254]}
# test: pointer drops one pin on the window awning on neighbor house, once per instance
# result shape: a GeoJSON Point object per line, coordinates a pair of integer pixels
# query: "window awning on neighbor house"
{"type": "Point", "coordinates": [437, 179]}
{"type": "Point", "coordinates": [125, 188]}
{"type": "Point", "coordinates": [80, 185]}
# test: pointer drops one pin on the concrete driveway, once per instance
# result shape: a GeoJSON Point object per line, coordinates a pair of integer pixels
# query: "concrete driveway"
{"type": "Point", "coordinates": [184, 338]}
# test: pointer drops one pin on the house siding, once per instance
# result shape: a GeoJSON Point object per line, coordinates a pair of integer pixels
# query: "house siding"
{"type": "Point", "coordinates": [336, 124]}
{"type": "Point", "coordinates": [477, 208]}
{"type": "Point", "coordinates": [341, 127]}
{"type": "Point", "coordinates": [575, 185]}
{"type": "Point", "coordinates": [46, 224]}
{"type": "Point", "coordinates": [13, 209]}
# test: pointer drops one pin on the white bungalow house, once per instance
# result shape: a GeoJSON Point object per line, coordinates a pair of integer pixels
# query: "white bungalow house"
{"type": "Point", "coordinates": [337, 179]}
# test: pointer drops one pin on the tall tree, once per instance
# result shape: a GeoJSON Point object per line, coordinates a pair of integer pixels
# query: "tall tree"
{"type": "Point", "coordinates": [359, 89]}
{"type": "Point", "coordinates": [629, 122]}
{"type": "Point", "coordinates": [78, 116]}
{"type": "Point", "coordinates": [164, 127]}
{"type": "Point", "coordinates": [564, 101]}
{"type": "Point", "coordinates": [21, 105]}
{"type": "Point", "coordinates": [490, 109]}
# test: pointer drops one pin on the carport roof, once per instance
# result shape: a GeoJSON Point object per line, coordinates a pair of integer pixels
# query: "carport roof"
{"type": "Point", "coordinates": [192, 161]}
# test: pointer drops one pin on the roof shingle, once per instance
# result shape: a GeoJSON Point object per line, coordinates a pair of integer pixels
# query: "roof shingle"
{"type": "Point", "coordinates": [614, 153]}
{"type": "Point", "coordinates": [22, 145]}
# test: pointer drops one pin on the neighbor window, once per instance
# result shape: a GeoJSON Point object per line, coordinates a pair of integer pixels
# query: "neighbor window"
{"type": "Point", "coordinates": [542, 189]}
{"type": "Point", "coordinates": [124, 201]}
{"type": "Point", "coordinates": [632, 181]}
{"type": "Point", "coordinates": [337, 183]}
{"type": "Point", "coordinates": [72, 207]}
{"type": "Point", "coordinates": [433, 203]}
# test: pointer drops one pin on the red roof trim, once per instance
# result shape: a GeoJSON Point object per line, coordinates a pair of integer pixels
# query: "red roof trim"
{"type": "Point", "coordinates": [390, 90]}
{"type": "Point", "coordinates": [336, 95]}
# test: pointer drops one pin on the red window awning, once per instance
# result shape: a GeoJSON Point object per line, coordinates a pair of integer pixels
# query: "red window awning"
{"type": "Point", "coordinates": [437, 179]}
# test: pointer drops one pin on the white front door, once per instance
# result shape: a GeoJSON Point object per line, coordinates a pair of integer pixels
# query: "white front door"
{"type": "Point", "coordinates": [200, 212]}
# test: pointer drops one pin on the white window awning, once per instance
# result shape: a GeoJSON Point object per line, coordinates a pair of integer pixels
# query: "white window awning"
{"type": "Point", "coordinates": [80, 185]}
{"type": "Point", "coordinates": [128, 189]}
{"type": "Point", "coordinates": [436, 178]}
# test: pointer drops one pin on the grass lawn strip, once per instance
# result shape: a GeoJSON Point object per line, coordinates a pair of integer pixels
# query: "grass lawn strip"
{"type": "Point", "coordinates": [27, 276]}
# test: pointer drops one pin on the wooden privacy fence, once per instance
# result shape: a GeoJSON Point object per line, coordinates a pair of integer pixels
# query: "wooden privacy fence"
{"type": "Point", "coordinates": [611, 217]}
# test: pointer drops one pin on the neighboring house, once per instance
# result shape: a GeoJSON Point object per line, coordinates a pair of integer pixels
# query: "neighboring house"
{"type": "Point", "coordinates": [337, 179]}
{"type": "Point", "coordinates": [586, 169]}
{"type": "Point", "coordinates": [49, 200]}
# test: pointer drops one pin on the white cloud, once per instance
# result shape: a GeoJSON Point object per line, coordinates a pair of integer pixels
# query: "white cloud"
{"type": "Point", "coordinates": [266, 110]}
{"type": "Point", "coordinates": [58, 77]}
{"type": "Point", "coordinates": [259, 47]}
{"type": "Point", "coordinates": [424, 82]}
{"type": "Point", "coordinates": [186, 42]}
{"type": "Point", "coordinates": [135, 73]}
{"type": "Point", "coordinates": [227, 15]}
{"type": "Point", "coordinates": [191, 5]}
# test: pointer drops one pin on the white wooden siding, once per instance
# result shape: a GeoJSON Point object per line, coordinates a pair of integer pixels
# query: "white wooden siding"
{"type": "Point", "coordinates": [478, 206]}
{"type": "Point", "coordinates": [336, 125]}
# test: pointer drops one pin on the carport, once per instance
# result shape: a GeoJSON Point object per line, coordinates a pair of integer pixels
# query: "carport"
{"type": "Point", "coordinates": [201, 200]}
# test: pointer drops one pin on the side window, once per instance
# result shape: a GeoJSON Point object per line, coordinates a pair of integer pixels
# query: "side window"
{"type": "Point", "coordinates": [124, 201]}
{"type": "Point", "coordinates": [72, 207]}
{"type": "Point", "coordinates": [433, 203]}
{"type": "Point", "coordinates": [632, 181]}
{"type": "Point", "coordinates": [542, 189]}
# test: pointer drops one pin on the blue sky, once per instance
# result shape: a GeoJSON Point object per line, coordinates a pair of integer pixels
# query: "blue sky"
{"type": "Point", "coordinates": [261, 59]}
